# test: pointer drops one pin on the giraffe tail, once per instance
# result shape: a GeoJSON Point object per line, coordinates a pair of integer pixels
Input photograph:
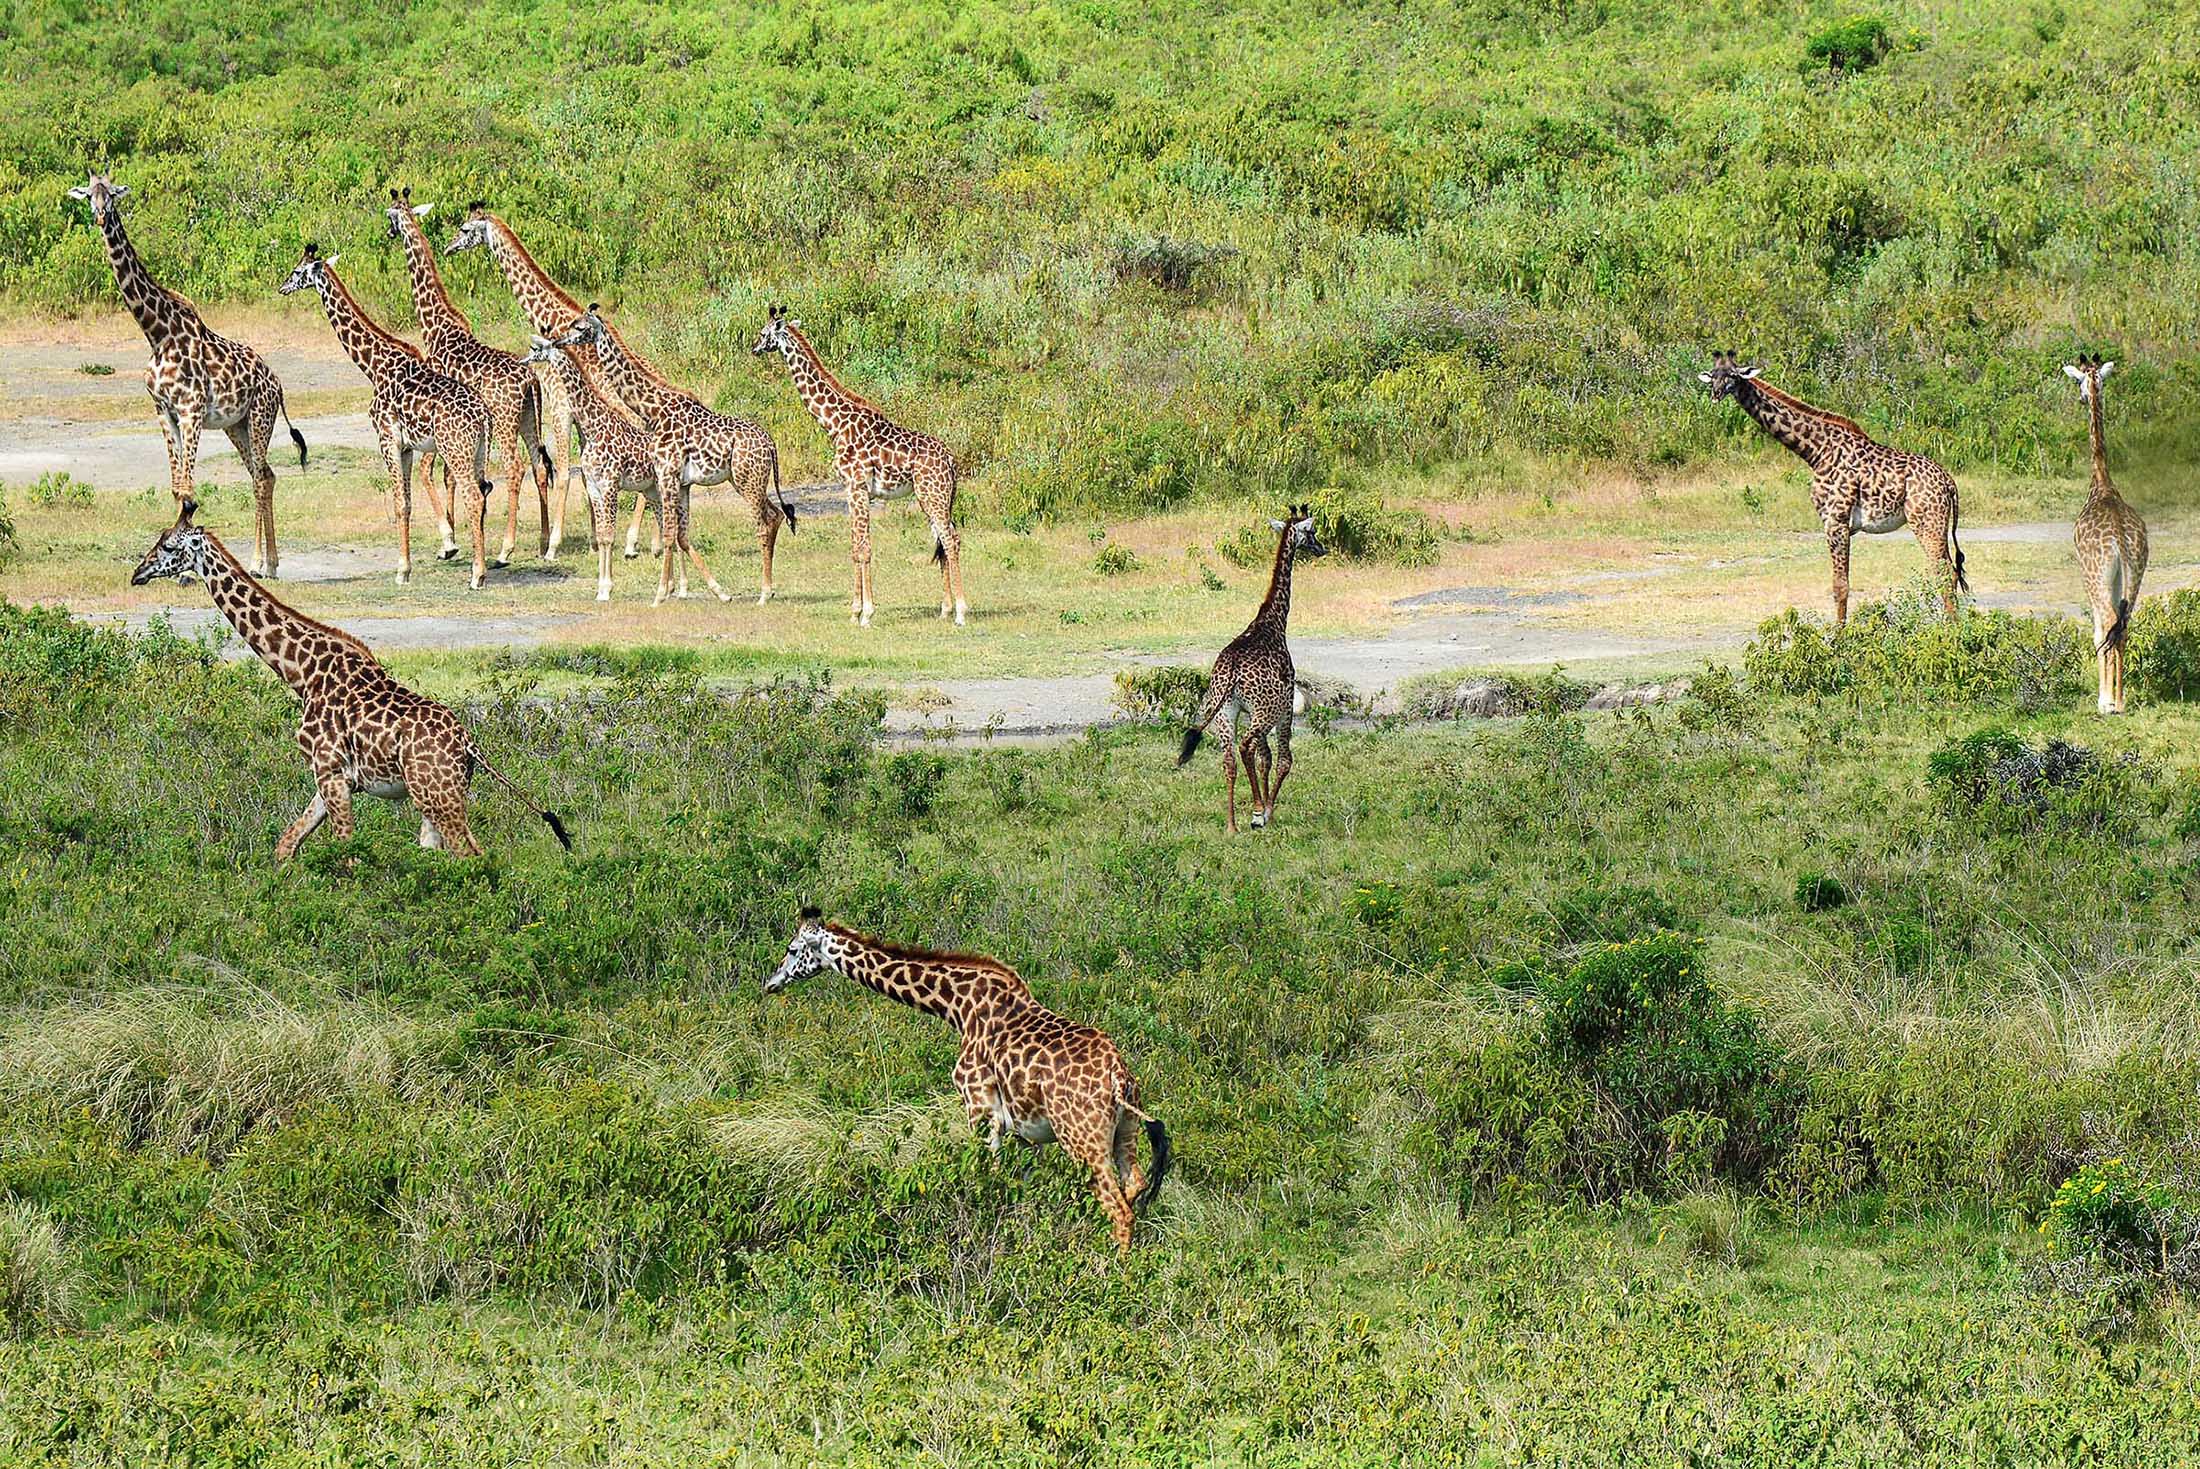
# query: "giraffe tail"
{"type": "Point", "coordinates": [2118, 629]}
{"type": "Point", "coordinates": [1209, 706]}
{"type": "Point", "coordinates": [1955, 548]}
{"type": "Point", "coordinates": [550, 818]}
{"type": "Point", "coordinates": [295, 437]}
{"type": "Point", "coordinates": [939, 550]}
{"type": "Point", "coordinates": [784, 508]}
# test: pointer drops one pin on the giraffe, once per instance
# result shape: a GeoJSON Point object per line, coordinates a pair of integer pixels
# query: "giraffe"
{"type": "Point", "coordinates": [1023, 1069]}
{"type": "Point", "coordinates": [548, 310]}
{"type": "Point", "coordinates": [197, 378]}
{"type": "Point", "coordinates": [506, 384]}
{"type": "Point", "coordinates": [875, 458]}
{"type": "Point", "coordinates": [1857, 484]}
{"type": "Point", "coordinates": [359, 728]}
{"type": "Point", "coordinates": [2112, 544]}
{"type": "Point", "coordinates": [616, 458]}
{"type": "Point", "coordinates": [1253, 688]}
{"type": "Point", "coordinates": [691, 444]}
{"type": "Point", "coordinates": [414, 406]}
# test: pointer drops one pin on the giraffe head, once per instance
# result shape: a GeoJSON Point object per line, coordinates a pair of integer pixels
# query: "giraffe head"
{"type": "Point", "coordinates": [1298, 524]}
{"type": "Point", "coordinates": [473, 230]}
{"type": "Point", "coordinates": [180, 551]}
{"type": "Point", "coordinates": [587, 327]}
{"type": "Point", "coordinates": [778, 333]}
{"type": "Point", "coordinates": [807, 952]}
{"type": "Point", "coordinates": [541, 349]}
{"type": "Point", "coordinates": [1726, 371]}
{"type": "Point", "coordinates": [401, 203]}
{"type": "Point", "coordinates": [101, 193]}
{"type": "Point", "coordinates": [2090, 372]}
{"type": "Point", "coordinates": [311, 271]}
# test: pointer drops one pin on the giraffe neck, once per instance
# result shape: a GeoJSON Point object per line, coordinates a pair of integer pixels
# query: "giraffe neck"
{"type": "Point", "coordinates": [544, 303]}
{"type": "Point", "coordinates": [303, 653]}
{"type": "Point", "coordinates": [374, 351]}
{"type": "Point", "coordinates": [441, 322]}
{"type": "Point", "coordinates": [2102, 485]}
{"type": "Point", "coordinates": [832, 405]}
{"type": "Point", "coordinates": [598, 419]}
{"type": "Point", "coordinates": [160, 314]}
{"type": "Point", "coordinates": [956, 997]}
{"type": "Point", "coordinates": [1811, 435]}
{"type": "Point", "coordinates": [1275, 608]}
{"type": "Point", "coordinates": [631, 378]}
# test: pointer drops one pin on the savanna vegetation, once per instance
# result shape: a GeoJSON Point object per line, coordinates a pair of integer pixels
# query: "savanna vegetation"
{"type": "Point", "coordinates": [1122, 257]}
{"type": "Point", "coordinates": [1789, 1069]}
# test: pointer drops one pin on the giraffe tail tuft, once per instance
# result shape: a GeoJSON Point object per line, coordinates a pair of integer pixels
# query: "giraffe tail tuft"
{"type": "Point", "coordinates": [557, 829]}
{"type": "Point", "coordinates": [939, 551]}
{"type": "Point", "coordinates": [1963, 585]}
{"type": "Point", "coordinates": [295, 437]}
{"type": "Point", "coordinates": [784, 508]}
{"type": "Point", "coordinates": [1191, 743]}
{"type": "Point", "coordinates": [1210, 704]}
{"type": "Point", "coordinates": [1157, 1137]}
{"type": "Point", "coordinates": [549, 470]}
{"type": "Point", "coordinates": [2119, 629]}
{"type": "Point", "coordinates": [550, 818]}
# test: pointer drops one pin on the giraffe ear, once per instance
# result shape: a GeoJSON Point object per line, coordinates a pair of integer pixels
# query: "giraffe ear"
{"type": "Point", "coordinates": [116, 191]}
{"type": "Point", "coordinates": [2074, 370]}
{"type": "Point", "coordinates": [80, 192]}
{"type": "Point", "coordinates": [1749, 372]}
{"type": "Point", "coordinates": [334, 258]}
{"type": "Point", "coordinates": [2107, 368]}
{"type": "Point", "coordinates": [1275, 525]}
{"type": "Point", "coordinates": [1703, 377]}
{"type": "Point", "coordinates": [420, 211]}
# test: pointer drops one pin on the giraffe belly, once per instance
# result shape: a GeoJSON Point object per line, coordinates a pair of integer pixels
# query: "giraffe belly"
{"type": "Point", "coordinates": [388, 790]}
{"type": "Point", "coordinates": [1874, 521]}
{"type": "Point", "coordinates": [1030, 1129]}
{"type": "Point", "coordinates": [895, 490]}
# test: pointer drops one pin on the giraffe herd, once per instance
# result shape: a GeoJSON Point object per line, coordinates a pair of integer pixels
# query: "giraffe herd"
{"type": "Point", "coordinates": [582, 393]}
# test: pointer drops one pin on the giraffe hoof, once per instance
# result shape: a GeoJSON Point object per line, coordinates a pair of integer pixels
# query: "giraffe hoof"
{"type": "Point", "coordinates": [500, 563]}
{"type": "Point", "coordinates": [630, 555]}
{"type": "Point", "coordinates": [603, 596]}
{"type": "Point", "coordinates": [446, 553]}
{"type": "Point", "coordinates": [403, 577]}
{"type": "Point", "coordinates": [723, 596]}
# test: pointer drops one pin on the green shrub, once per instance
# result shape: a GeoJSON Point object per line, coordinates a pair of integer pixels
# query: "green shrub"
{"type": "Point", "coordinates": [1115, 560]}
{"type": "Point", "coordinates": [1907, 649]}
{"type": "Point", "coordinates": [1853, 46]}
{"type": "Point", "coordinates": [1820, 892]}
{"type": "Point", "coordinates": [1996, 776]}
{"type": "Point", "coordinates": [1167, 692]}
{"type": "Point", "coordinates": [2119, 1235]}
{"type": "Point", "coordinates": [57, 488]}
{"type": "Point", "coordinates": [40, 1276]}
{"type": "Point", "coordinates": [2162, 657]}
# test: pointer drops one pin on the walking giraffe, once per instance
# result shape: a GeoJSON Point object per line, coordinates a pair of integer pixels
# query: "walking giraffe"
{"type": "Point", "coordinates": [414, 407]}
{"type": "Point", "coordinates": [359, 728]}
{"type": "Point", "coordinates": [2112, 544]}
{"type": "Point", "coordinates": [197, 378]}
{"type": "Point", "coordinates": [616, 458]}
{"type": "Point", "coordinates": [506, 384]}
{"type": "Point", "coordinates": [689, 443]}
{"type": "Point", "coordinates": [875, 458]}
{"type": "Point", "coordinates": [1023, 1069]}
{"type": "Point", "coordinates": [1857, 483]}
{"type": "Point", "coordinates": [1254, 688]}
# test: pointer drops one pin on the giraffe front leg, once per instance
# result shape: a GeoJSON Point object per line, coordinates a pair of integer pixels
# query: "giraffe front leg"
{"type": "Point", "coordinates": [402, 462]}
{"type": "Point", "coordinates": [1229, 776]}
{"type": "Point", "coordinates": [1837, 547]}
{"type": "Point", "coordinates": [859, 540]}
{"type": "Point", "coordinates": [1283, 765]}
{"type": "Point", "coordinates": [185, 415]}
{"type": "Point", "coordinates": [1263, 793]}
{"type": "Point", "coordinates": [316, 811]}
{"type": "Point", "coordinates": [443, 506]}
{"type": "Point", "coordinates": [603, 521]}
{"type": "Point", "coordinates": [477, 518]}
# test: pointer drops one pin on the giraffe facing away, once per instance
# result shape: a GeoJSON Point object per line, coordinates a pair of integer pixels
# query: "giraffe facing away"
{"type": "Point", "coordinates": [1254, 688]}
{"type": "Point", "coordinates": [617, 457]}
{"type": "Point", "coordinates": [414, 407]}
{"type": "Point", "coordinates": [2112, 544]}
{"type": "Point", "coordinates": [875, 458]}
{"type": "Point", "coordinates": [1857, 484]}
{"type": "Point", "coordinates": [198, 378]}
{"type": "Point", "coordinates": [1023, 1069]}
{"type": "Point", "coordinates": [506, 384]}
{"type": "Point", "coordinates": [359, 728]}
{"type": "Point", "coordinates": [690, 443]}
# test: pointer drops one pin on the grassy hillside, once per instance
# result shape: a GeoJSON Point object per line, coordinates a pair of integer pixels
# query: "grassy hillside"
{"type": "Point", "coordinates": [1731, 1079]}
{"type": "Point", "coordinates": [1121, 255]}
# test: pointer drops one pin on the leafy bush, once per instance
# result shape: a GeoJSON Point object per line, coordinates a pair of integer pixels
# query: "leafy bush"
{"type": "Point", "coordinates": [40, 1278]}
{"type": "Point", "coordinates": [1167, 692]}
{"type": "Point", "coordinates": [2118, 1235]}
{"type": "Point", "coordinates": [1820, 892]}
{"type": "Point", "coordinates": [1115, 560]}
{"type": "Point", "coordinates": [1853, 46]}
{"type": "Point", "coordinates": [1907, 649]}
{"type": "Point", "coordinates": [2162, 656]}
{"type": "Point", "coordinates": [1994, 774]}
{"type": "Point", "coordinates": [9, 545]}
{"type": "Point", "coordinates": [1173, 265]}
{"type": "Point", "coordinates": [57, 488]}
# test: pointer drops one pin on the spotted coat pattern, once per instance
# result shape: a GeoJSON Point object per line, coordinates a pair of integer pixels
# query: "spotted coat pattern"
{"type": "Point", "coordinates": [875, 458]}
{"type": "Point", "coordinates": [1857, 483]}
{"type": "Point", "coordinates": [359, 728]}
{"type": "Point", "coordinates": [1023, 1069]}
{"type": "Point", "coordinates": [2111, 540]}
{"type": "Point", "coordinates": [197, 377]}
{"type": "Point", "coordinates": [414, 408]}
{"type": "Point", "coordinates": [617, 458]}
{"type": "Point", "coordinates": [1253, 688]}
{"type": "Point", "coordinates": [503, 379]}
{"type": "Point", "coordinates": [691, 444]}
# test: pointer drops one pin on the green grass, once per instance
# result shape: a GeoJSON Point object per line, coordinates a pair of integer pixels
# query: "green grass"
{"type": "Point", "coordinates": [382, 1155]}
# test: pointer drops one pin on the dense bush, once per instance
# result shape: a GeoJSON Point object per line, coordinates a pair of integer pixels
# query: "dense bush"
{"type": "Point", "coordinates": [1906, 648]}
{"type": "Point", "coordinates": [1993, 774]}
{"type": "Point", "coordinates": [1852, 46]}
{"type": "Point", "coordinates": [1167, 692]}
{"type": "Point", "coordinates": [2162, 656]}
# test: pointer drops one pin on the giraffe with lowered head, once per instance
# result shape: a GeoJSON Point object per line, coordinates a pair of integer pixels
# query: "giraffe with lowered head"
{"type": "Point", "coordinates": [1023, 1069]}
{"type": "Point", "coordinates": [690, 443]}
{"type": "Point", "coordinates": [414, 407]}
{"type": "Point", "coordinates": [876, 458]}
{"type": "Point", "coordinates": [1857, 484]}
{"type": "Point", "coordinates": [1254, 687]}
{"type": "Point", "coordinates": [359, 728]}
{"type": "Point", "coordinates": [507, 385]}
{"type": "Point", "coordinates": [2112, 544]}
{"type": "Point", "coordinates": [198, 378]}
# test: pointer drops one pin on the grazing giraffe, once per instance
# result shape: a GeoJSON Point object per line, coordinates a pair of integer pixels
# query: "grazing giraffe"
{"type": "Point", "coordinates": [549, 310]}
{"type": "Point", "coordinates": [2112, 545]}
{"type": "Point", "coordinates": [692, 444]}
{"type": "Point", "coordinates": [1857, 484]}
{"type": "Point", "coordinates": [506, 384]}
{"type": "Point", "coordinates": [616, 458]}
{"type": "Point", "coordinates": [1253, 688]}
{"type": "Point", "coordinates": [198, 378]}
{"type": "Point", "coordinates": [414, 407]}
{"type": "Point", "coordinates": [875, 458]}
{"type": "Point", "coordinates": [359, 728]}
{"type": "Point", "coordinates": [1023, 1069]}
